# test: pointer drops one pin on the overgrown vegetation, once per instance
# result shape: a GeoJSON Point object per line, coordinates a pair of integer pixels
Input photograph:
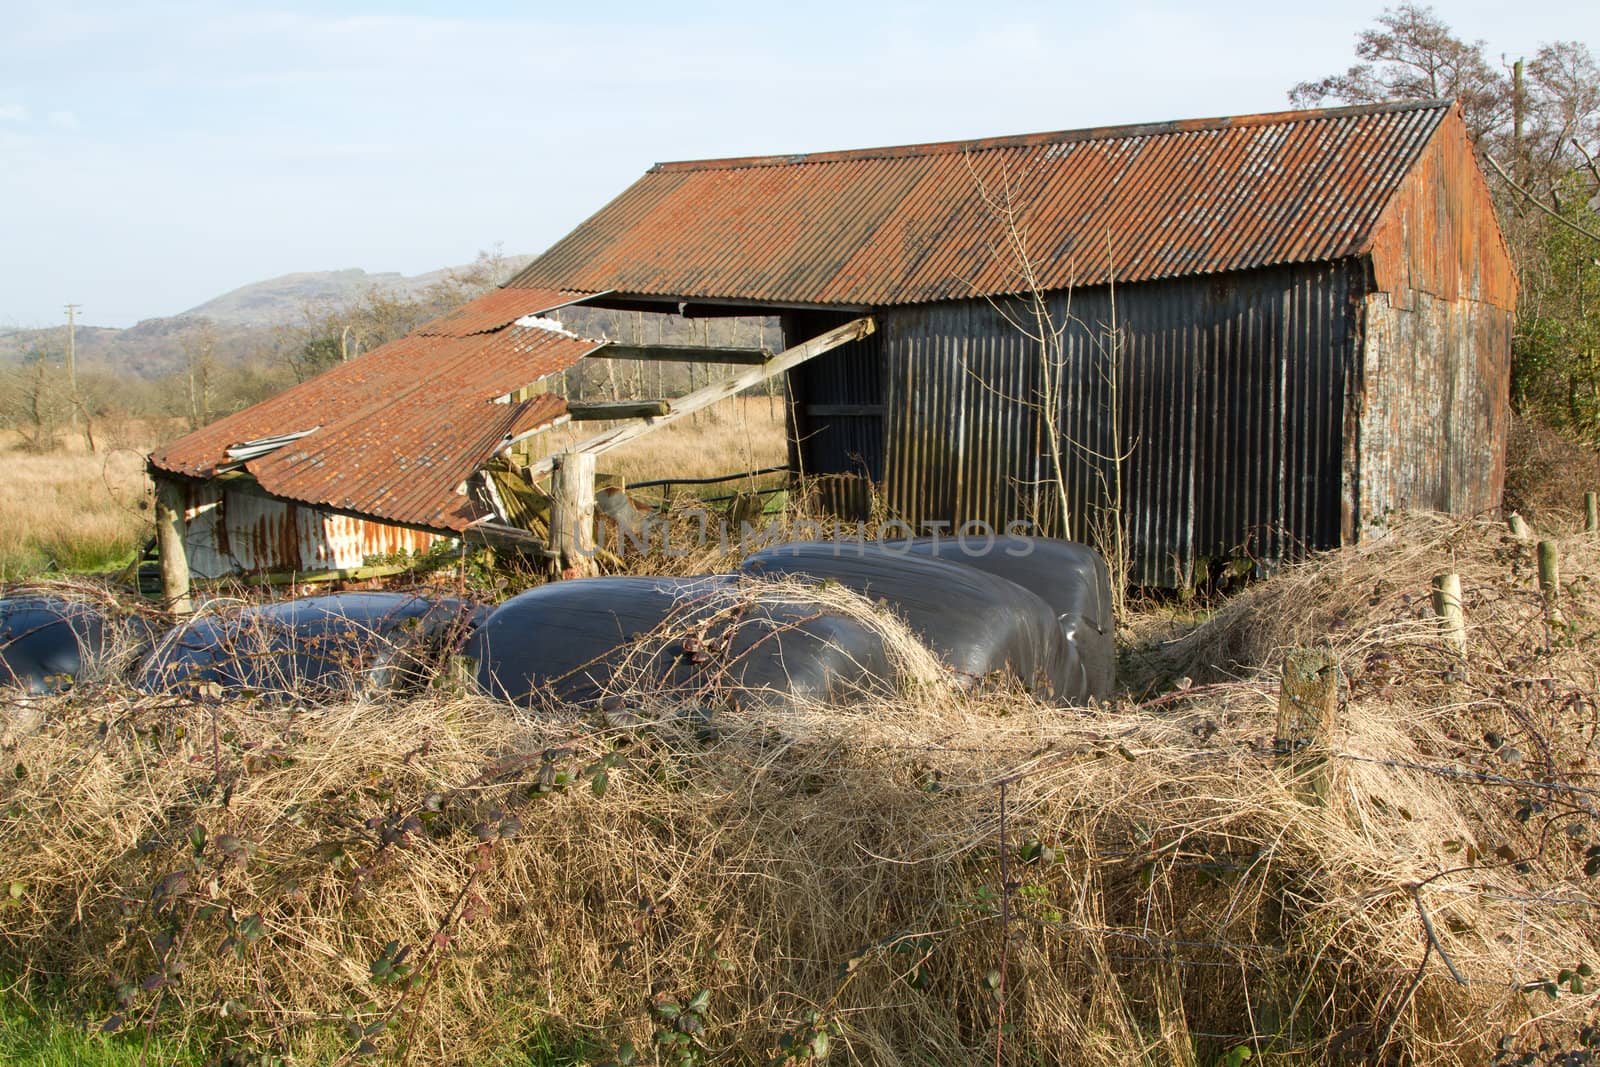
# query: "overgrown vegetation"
{"type": "Point", "coordinates": [934, 878]}
{"type": "Point", "coordinates": [1536, 124]}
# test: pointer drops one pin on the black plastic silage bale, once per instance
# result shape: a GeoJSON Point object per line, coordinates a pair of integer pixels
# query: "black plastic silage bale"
{"type": "Point", "coordinates": [980, 624]}
{"type": "Point", "coordinates": [703, 640]}
{"type": "Point", "coordinates": [336, 645]}
{"type": "Point", "coordinates": [47, 643]}
{"type": "Point", "coordinates": [1069, 576]}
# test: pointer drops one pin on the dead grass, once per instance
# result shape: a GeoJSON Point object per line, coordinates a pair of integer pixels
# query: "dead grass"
{"type": "Point", "coordinates": [739, 434]}
{"type": "Point", "coordinates": [1137, 883]}
{"type": "Point", "coordinates": [69, 510]}
{"type": "Point", "coordinates": [1547, 473]}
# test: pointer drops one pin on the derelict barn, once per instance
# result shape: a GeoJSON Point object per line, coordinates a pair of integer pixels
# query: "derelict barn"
{"type": "Point", "coordinates": [1268, 332]}
{"type": "Point", "coordinates": [1313, 315]}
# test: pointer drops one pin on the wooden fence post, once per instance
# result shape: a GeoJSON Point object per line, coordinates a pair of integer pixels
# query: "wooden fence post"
{"type": "Point", "coordinates": [1518, 526]}
{"type": "Point", "coordinates": [171, 503]}
{"type": "Point", "coordinates": [1447, 605]}
{"type": "Point", "coordinates": [1591, 512]}
{"type": "Point", "coordinates": [1550, 577]}
{"type": "Point", "coordinates": [1308, 707]}
{"type": "Point", "coordinates": [572, 513]}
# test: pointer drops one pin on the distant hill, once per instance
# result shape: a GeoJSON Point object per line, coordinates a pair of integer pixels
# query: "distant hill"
{"type": "Point", "coordinates": [281, 300]}
{"type": "Point", "coordinates": [244, 323]}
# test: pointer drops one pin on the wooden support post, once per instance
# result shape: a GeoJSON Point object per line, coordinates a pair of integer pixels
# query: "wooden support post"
{"type": "Point", "coordinates": [1447, 605]}
{"type": "Point", "coordinates": [572, 513]}
{"type": "Point", "coordinates": [745, 507]}
{"type": "Point", "coordinates": [1550, 577]}
{"type": "Point", "coordinates": [1519, 527]}
{"type": "Point", "coordinates": [1308, 707]}
{"type": "Point", "coordinates": [171, 503]}
{"type": "Point", "coordinates": [1591, 512]}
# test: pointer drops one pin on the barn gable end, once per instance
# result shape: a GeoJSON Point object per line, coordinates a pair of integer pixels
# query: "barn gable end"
{"type": "Point", "coordinates": [1434, 408]}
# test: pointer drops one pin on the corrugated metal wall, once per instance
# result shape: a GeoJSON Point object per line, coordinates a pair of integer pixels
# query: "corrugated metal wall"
{"type": "Point", "coordinates": [1233, 397]}
{"type": "Point", "coordinates": [1437, 411]}
{"type": "Point", "coordinates": [231, 530]}
{"type": "Point", "coordinates": [837, 400]}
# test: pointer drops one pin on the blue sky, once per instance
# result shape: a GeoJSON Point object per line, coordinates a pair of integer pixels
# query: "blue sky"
{"type": "Point", "coordinates": [156, 154]}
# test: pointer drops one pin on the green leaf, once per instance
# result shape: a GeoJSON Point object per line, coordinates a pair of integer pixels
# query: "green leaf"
{"type": "Point", "coordinates": [700, 1001]}
{"type": "Point", "coordinates": [598, 784]}
{"type": "Point", "coordinates": [16, 890]}
{"type": "Point", "coordinates": [668, 1009]}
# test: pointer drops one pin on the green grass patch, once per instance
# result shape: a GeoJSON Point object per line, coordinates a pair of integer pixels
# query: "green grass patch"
{"type": "Point", "coordinates": [35, 1031]}
{"type": "Point", "coordinates": [33, 1035]}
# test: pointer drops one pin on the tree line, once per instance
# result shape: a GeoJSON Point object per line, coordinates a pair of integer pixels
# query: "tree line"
{"type": "Point", "coordinates": [1535, 122]}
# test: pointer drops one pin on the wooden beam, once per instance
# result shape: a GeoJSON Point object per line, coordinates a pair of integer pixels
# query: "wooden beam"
{"type": "Point", "coordinates": [781, 363]}
{"type": "Point", "coordinates": [572, 513]}
{"type": "Point", "coordinates": [833, 410]}
{"type": "Point", "coordinates": [500, 536]}
{"type": "Point", "coordinates": [172, 501]}
{"type": "Point", "coordinates": [684, 354]}
{"type": "Point", "coordinates": [597, 411]}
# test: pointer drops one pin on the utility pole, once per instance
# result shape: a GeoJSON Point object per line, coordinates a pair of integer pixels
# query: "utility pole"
{"type": "Point", "coordinates": [1519, 107]}
{"type": "Point", "coordinates": [72, 359]}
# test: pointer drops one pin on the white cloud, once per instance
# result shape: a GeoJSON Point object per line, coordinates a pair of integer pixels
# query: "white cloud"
{"type": "Point", "coordinates": [62, 120]}
{"type": "Point", "coordinates": [13, 113]}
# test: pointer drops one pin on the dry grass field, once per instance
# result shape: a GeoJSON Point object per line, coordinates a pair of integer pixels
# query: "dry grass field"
{"type": "Point", "coordinates": [70, 510]}
{"type": "Point", "coordinates": [740, 434]}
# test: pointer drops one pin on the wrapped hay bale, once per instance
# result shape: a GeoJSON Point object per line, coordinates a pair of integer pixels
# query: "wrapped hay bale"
{"type": "Point", "coordinates": [328, 645]}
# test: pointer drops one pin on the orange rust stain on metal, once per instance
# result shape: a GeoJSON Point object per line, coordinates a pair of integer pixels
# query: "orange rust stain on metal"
{"type": "Point", "coordinates": [922, 223]}
{"type": "Point", "coordinates": [400, 428]}
{"type": "Point", "coordinates": [1439, 234]}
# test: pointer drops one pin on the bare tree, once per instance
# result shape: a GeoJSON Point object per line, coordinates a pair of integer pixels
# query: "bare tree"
{"type": "Point", "coordinates": [1411, 55]}
{"type": "Point", "coordinates": [1538, 132]}
{"type": "Point", "coordinates": [35, 400]}
{"type": "Point", "coordinates": [1046, 318]}
{"type": "Point", "coordinates": [199, 346]}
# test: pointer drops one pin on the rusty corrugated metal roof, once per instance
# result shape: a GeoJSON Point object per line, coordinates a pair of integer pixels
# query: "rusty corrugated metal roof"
{"type": "Point", "coordinates": [400, 428]}
{"type": "Point", "coordinates": [496, 309]}
{"type": "Point", "coordinates": [920, 223]}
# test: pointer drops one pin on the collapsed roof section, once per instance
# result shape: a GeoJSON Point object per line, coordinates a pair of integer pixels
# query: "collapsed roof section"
{"type": "Point", "coordinates": [395, 433]}
{"type": "Point", "coordinates": [917, 223]}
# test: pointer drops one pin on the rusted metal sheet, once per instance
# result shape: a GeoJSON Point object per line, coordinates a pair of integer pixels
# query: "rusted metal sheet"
{"type": "Point", "coordinates": [399, 429]}
{"type": "Point", "coordinates": [1437, 411]}
{"type": "Point", "coordinates": [496, 310]}
{"type": "Point", "coordinates": [232, 529]}
{"type": "Point", "coordinates": [921, 223]}
{"type": "Point", "coordinates": [1439, 235]}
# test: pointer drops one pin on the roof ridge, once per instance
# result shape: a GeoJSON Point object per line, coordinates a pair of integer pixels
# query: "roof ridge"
{"type": "Point", "coordinates": [1028, 140]}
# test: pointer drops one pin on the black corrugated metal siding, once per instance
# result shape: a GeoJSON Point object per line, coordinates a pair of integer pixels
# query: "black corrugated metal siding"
{"type": "Point", "coordinates": [850, 376]}
{"type": "Point", "coordinates": [1233, 391]}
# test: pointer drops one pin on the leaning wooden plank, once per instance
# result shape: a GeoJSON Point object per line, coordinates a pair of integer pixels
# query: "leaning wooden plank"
{"type": "Point", "coordinates": [784, 361]}
{"type": "Point", "coordinates": [496, 535]}
{"type": "Point", "coordinates": [684, 354]}
{"type": "Point", "coordinates": [596, 411]}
